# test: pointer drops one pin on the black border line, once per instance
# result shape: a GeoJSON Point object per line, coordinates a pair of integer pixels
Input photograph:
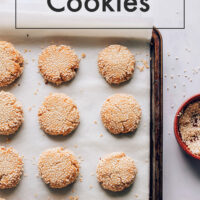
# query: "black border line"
{"type": "Point", "coordinates": [126, 28]}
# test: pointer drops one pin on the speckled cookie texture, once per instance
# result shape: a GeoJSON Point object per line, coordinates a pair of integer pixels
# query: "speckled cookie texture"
{"type": "Point", "coordinates": [116, 64]}
{"type": "Point", "coordinates": [116, 172]}
{"type": "Point", "coordinates": [58, 64]}
{"type": "Point", "coordinates": [11, 63]}
{"type": "Point", "coordinates": [189, 126]}
{"type": "Point", "coordinates": [11, 168]}
{"type": "Point", "coordinates": [121, 113]}
{"type": "Point", "coordinates": [58, 114]}
{"type": "Point", "coordinates": [58, 167]}
{"type": "Point", "coordinates": [11, 113]}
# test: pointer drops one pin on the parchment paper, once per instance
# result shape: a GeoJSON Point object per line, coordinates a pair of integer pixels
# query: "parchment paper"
{"type": "Point", "coordinates": [88, 90]}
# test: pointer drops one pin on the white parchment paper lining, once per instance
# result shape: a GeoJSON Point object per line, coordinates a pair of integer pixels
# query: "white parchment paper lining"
{"type": "Point", "coordinates": [88, 90]}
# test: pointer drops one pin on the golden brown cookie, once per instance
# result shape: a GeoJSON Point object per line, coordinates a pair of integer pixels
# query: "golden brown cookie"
{"type": "Point", "coordinates": [116, 64]}
{"type": "Point", "coordinates": [121, 113]}
{"type": "Point", "coordinates": [58, 115]}
{"type": "Point", "coordinates": [11, 63]}
{"type": "Point", "coordinates": [58, 64]}
{"type": "Point", "coordinates": [11, 168]}
{"type": "Point", "coordinates": [58, 167]}
{"type": "Point", "coordinates": [116, 171]}
{"type": "Point", "coordinates": [11, 113]}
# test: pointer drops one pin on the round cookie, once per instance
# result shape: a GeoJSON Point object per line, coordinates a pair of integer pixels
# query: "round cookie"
{"type": "Point", "coordinates": [116, 171]}
{"type": "Point", "coordinates": [11, 168]}
{"type": "Point", "coordinates": [11, 113]}
{"type": "Point", "coordinates": [121, 113]}
{"type": "Point", "coordinates": [11, 63]}
{"type": "Point", "coordinates": [58, 64]}
{"type": "Point", "coordinates": [58, 167]}
{"type": "Point", "coordinates": [116, 64]}
{"type": "Point", "coordinates": [58, 115]}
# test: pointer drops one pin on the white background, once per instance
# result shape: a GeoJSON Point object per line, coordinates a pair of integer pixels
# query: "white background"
{"type": "Point", "coordinates": [181, 173]}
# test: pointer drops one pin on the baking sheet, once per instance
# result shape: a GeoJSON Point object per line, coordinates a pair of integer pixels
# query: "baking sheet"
{"type": "Point", "coordinates": [88, 90]}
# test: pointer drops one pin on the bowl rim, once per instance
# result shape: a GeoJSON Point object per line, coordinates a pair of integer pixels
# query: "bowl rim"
{"type": "Point", "coordinates": [176, 126]}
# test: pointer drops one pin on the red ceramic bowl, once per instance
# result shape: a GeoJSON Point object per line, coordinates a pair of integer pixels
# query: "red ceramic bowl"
{"type": "Point", "coordinates": [176, 125]}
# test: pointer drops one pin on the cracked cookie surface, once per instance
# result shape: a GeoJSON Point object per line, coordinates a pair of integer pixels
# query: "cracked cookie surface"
{"type": "Point", "coordinates": [58, 115]}
{"type": "Point", "coordinates": [116, 64]}
{"type": "Point", "coordinates": [116, 171]}
{"type": "Point", "coordinates": [11, 63]}
{"type": "Point", "coordinates": [11, 114]}
{"type": "Point", "coordinates": [58, 167]}
{"type": "Point", "coordinates": [58, 64]}
{"type": "Point", "coordinates": [11, 168]}
{"type": "Point", "coordinates": [121, 113]}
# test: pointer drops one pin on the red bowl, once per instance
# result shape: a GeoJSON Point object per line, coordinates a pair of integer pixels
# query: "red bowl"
{"type": "Point", "coordinates": [176, 125]}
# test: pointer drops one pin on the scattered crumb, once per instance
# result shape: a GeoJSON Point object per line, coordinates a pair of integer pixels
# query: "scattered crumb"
{"type": "Point", "coordinates": [168, 54]}
{"type": "Point", "coordinates": [177, 58]}
{"type": "Point", "coordinates": [91, 187]}
{"type": "Point", "coordinates": [18, 84]}
{"type": "Point", "coordinates": [95, 122]}
{"type": "Point", "coordinates": [92, 174]}
{"type": "Point", "coordinates": [83, 55]}
{"type": "Point", "coordinates": [174, 85]}
{"type": "Point", "coordinates": [35, 195]}
{"type": "Point", "coordinates": [30, 108]}
{"type": "Point", "coordinates": [145, 64]}
{"type": "Point", "coordinates": [73, 197]}
{"type": "Point", "coordinates": [75, 146]}
{"type": "Point", "coordinates": [141, 68]}
{"type": "Point", "coordinates": [25, 50]}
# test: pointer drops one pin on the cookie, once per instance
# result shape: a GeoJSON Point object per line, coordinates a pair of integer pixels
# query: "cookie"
{"type": "Point", "coordinates": [116, 64]}
{"type": "Point", "coordinates": [11, 168]}
{"type": "Point", "coordinates": [11, 113]}
{"type": "Point", "coordinates": [58, 64]}
{"type": "Point", "coordinates": [11, 63]}
{"type": "Point", "coordinates": [116, 172]}
{"type": "Point", "coordinates": [58, 167]}
{"type": "Point", "coordinates": [58, 115]}
{"type": "Point", "coordinates": [121, 113]}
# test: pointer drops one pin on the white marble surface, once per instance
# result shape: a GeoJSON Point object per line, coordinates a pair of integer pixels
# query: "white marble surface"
{"type": "Point", "coordinates": [181, 172]}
